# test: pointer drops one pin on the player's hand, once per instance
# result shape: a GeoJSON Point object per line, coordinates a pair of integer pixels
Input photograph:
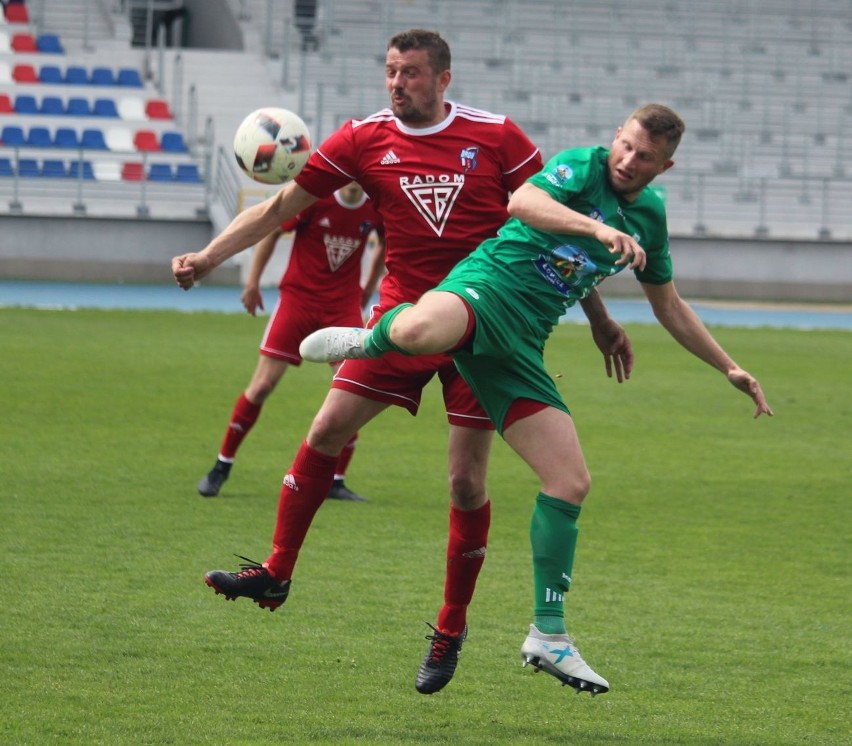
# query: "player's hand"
{"type": "Point", "coordinates": [252, 299]}
{"type": "Point", "coordinates": [632, 254]}
{"type": "Point", "coordinates": [189, 268]}
{"type": "Point", "coordinates": [614, 343]}
{"type": "Point", "coordinates": [748, 384]}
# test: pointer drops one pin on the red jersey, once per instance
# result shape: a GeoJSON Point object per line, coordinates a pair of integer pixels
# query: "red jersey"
{"type": "Point", "coordinates": [441, 191]}
{"type": "Point", "coordinates": [325, 260]}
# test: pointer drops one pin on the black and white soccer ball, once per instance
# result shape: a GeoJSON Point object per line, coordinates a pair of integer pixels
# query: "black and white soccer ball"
{"type": "Point", "coordinates": [272, 145]}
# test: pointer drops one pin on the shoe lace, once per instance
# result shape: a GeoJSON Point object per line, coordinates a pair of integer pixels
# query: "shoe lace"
{"type": "Point", "coordinates": [249, 568]}
{"type": "Point", "coordinates": [441, 644]}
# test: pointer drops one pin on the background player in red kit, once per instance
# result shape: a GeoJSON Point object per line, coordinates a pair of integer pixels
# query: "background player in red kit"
{"type": "Point", "coordinates": [440, 174]}
{"type": "Point", "coordinates": [322, 281]}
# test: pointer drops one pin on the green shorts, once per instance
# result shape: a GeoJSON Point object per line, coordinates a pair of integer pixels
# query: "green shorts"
{"type": "Point", "coordinates": [506, 360]}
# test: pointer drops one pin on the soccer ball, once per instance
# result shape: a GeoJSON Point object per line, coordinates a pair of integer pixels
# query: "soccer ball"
{"type": "Point", "coordinates": [272, 145]}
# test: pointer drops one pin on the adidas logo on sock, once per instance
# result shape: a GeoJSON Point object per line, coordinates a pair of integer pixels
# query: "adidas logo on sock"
{"type": "Point", "coordinates": [390, 157]}
{"type": "Point", "coordinates": [290, 481]}
{"type": "Point", "coordinates": [550, 595]}
{"type": "Point", "coordinates": [475, 553]}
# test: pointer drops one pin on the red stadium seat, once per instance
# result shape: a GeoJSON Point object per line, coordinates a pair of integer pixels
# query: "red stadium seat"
{"type": "Point", "coordinates": [157, 108]}
{"type": "Point", "coordinates": [132, 171]}
{"type": "Point", "coordinates": [146, 141]}
{"type": "Point", "coordinates": [17, 13]}
{"type": "Point", "coordinates": [25, 74]}
{"type": "Point", "coordinates": [6, 104]}
{"type": "Point", "coordinates": [24, 43]}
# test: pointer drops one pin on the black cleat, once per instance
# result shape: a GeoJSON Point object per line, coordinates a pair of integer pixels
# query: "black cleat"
{"type": "Point", "coordinates": [340, 491]}
{"type": "Point", "coordinates": [253, 581]}
{"type": "Point", "coordinates": [440, 662]}
{"type": "Point", "coordinates": [212, 482]}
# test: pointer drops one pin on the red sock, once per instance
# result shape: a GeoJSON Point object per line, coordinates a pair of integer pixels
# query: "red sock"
{"type": "Point", "coordinates": [304, 489]}
{"type": "Point", "coordinates": [465, 555]}
{"type": "Point", "coordinates": [345, 457]}
{"type": "Point", "coordinates": [243, 417]}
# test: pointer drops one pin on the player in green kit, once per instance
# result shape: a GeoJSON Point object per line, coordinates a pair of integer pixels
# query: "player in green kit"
{"type": "Point", "coordinates": [588, 215]}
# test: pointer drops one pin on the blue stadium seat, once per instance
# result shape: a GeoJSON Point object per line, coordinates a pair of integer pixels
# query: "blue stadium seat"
{"type": "Point", "coordinates": [76, 75]}
{"type": "Point", "coordinates": [93, 139]}
{"type": "Point", "coordinates": [187, 172]}
{"type": "Point", "coordinates": [39, 137]}
{"type": "Point", "coordinates": [104, 107]}
{"type": "Point", "coordinates": [50, 74]}
{"type": "Point", "coordinates": [25, 104]}
{"type": "Point", "coordinates": [28, 167]}
{"type": "Point", "coordinates": [6, 167]}
{"type": "Point", "coordinates": [74, 170]}
{"type": "Point", "coordinates": [49, 44]}
{"type": "Point", "coordinates": [78, 107]}
{"type": "Point", "coordinates": [66, 137]}
{"type": "Point", "coordinates": [13, 136]}
{"type": "Point", "coordinates": [172, 142]}
{"type": "Point", "coordinates": [102, 76]}
{"type": "Point", "coordinates": [161, 172]}
{"type": "Point", "coordinates": [54, 169]}
{"type": "Point", "coordinates": [52, 105]}
{"type": "Point", "coordinates": [128, 76]}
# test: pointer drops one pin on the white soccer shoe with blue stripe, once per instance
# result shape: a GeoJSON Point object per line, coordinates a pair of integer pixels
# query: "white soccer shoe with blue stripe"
{"type": "Point", "coordinates": [558, 656]}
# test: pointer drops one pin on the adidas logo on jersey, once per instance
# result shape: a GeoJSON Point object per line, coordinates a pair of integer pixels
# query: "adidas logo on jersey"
{"type": "Point", "coordinates": [390, 157]}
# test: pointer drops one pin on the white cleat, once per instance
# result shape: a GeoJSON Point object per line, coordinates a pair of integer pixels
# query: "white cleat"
{"type": "Point", "coordinates": [334, 343]}
{"type": "Point", "coordinates": [557, 655]}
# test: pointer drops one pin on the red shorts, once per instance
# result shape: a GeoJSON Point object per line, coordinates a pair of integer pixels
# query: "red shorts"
{"type": "Point", "coordinates": [292, 321]}
{"type": "Point", "coordinates": [399, 380]}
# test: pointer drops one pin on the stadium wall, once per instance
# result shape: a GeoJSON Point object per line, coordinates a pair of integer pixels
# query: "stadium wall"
{"type": "Point", "coordinates": [140, 250]}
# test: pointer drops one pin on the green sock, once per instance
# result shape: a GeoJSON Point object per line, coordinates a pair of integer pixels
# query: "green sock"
{"type": "Point", "coordinates": [379, 341]}
{"type": "Point", "coordinates": [553, 535]}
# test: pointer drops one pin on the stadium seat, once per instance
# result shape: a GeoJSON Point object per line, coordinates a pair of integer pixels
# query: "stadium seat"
{"type": "Point", "coordinates": [78, 107]}
{"type": "Point", "coordinates": [131, 109]}
{"type": "Point", "coordinates": [102, 76]}
{"type": "Point", "coordinates": [54, 169]}
{"type": "Point", "coordinates": [4, 43]}
{"type": "Point", "coordinates": [49, 44]}
{"type": "Point", "coordinates": [160, 172]}
{"type": "Point", "coordinates": [6, 104]}
{"type": "Point", "coordinates": [93, 139]}
{"type": "Point", "coordinates": [24, 73]}
{"type": "Point", "coordinates": [119, 140]}
{"type": "Point", "coordinates": [50, 74]}
{"type": "Point", "coordinates": [87, 170]}
{"type": "Point", "coordinates": [6, 167]}
{"type": "Point", "coordinates": [25, 104]}
{"type": "Point", "coordinates": [132, 171]}
{"type": "Point", "coordinates": [129, 77]}
{"type": "Point", "coordinates": [39, 137]}
{"type": "Point", "coordinates": [76, 75]}
{"type": "Point", "coordinates": [23, 43]}
{"type": "Point", "coordinates": [157, 108]}
{"type": "Point", "coordinates": [104, 107]}
{"type": "Point", "coordinates": [17, 13]}
{"type": "Point", "coordinates": [66, 137]}
{"type": "Point", "coordinates": [5, 72]}
{"type": "Point", "coordinates": [146, 141]}
{"type": "Point", "coordinates": [12, 136]}
{"type": "Point", "coordinates": [172, 142]}
{"type": "Point", "coordinates": [107, 171]}
{"type": "Point", "coordinates": [52, 105]}
{"type": "Point", "coordinates": [188, 173]}
{"type": "Point", "coordinates": [28, 167]}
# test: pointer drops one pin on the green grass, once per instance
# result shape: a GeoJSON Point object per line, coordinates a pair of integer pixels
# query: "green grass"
{"type": "Point", "coordinates": [712, 583]}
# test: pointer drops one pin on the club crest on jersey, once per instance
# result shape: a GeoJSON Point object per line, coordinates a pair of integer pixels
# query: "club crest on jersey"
{"type": "Point", "coordinates": [468, 157]}
{"type": "Point", "coordinates": [560, 175]}
{"type": "Point", "coordinates": [433, 196]}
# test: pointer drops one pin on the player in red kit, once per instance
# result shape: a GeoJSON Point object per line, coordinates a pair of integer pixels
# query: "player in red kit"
{"type": "Point", "coordinates": [322, 281]}
{"type": "Point", "coordinates": [440, 175]}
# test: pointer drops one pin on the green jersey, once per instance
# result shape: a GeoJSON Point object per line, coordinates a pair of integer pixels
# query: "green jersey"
{"type": "Point", "coordinates": [567, 268]}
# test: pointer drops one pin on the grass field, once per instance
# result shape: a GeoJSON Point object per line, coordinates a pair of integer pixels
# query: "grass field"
{"type": "Point", "coordinates": [712, 582]}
